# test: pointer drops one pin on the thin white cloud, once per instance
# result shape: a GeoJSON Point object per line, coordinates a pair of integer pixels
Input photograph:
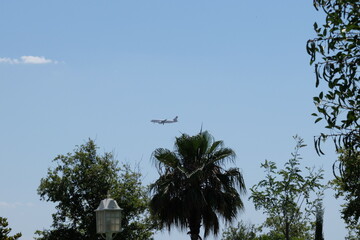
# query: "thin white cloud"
{"type": "Point", "coordinates": [27, 60]}
{"type": "Point", "coordinates": [9, 60]}
{"type": "Point", "coordinates": [15, 204]}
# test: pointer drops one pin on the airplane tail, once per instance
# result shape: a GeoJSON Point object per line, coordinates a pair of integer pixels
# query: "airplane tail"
{"type": "Point", "coordinates": [176, 119]}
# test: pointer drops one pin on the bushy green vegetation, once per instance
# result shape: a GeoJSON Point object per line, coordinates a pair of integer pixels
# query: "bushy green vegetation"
{"type": "Point", "coordinates": [5, 230]}
{"type": "Point", "coordinates": [335, 54]}
{"type": "Point", "coordinates": [79, 182]}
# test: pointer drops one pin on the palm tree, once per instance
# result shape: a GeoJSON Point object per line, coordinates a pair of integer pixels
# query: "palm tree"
{"type": "Point", "coordinates": [193, 188]}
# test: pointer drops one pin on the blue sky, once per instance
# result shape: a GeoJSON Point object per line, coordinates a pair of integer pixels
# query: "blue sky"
{"type": "Point", "coordinates": [73, 70]}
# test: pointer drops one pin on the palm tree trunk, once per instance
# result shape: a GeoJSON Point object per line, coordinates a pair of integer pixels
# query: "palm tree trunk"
{"type": "Point", "coordinates": [194, 225]}
{"type": "Point", "coordinates": [195, 237]}
{"type": "Point", "coordinates": [287, 230]}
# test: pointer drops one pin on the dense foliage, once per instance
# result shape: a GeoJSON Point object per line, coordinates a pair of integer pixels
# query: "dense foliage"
{"type": "Point", "coordinates": [286, 197]}
{"type": "Point", "coordinates": [247, 231]}
{"type": "Point", "coordinates": [335, 55]}
{"type": "Point", "coordinates": [5, 230]}
{"type": "Point", "coordinates": [79, 182]}
{"type": "Point", "coordinates": [193, 188]}
{"type": "Point", "coordinates": [242, 231]}
{"type": "Point", "coordinates": [348, 187]}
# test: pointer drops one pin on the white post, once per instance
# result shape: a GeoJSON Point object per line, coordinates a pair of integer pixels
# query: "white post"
{"type": "Point", "coordinates": [109, 236]}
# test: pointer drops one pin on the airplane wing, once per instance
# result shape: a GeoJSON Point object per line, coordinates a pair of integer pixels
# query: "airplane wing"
{"type": "Point", "coordinates": [158, 121]}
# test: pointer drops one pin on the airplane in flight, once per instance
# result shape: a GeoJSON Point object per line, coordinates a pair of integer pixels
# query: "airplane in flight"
{"type": "Point", "coordinates": [165, 121]}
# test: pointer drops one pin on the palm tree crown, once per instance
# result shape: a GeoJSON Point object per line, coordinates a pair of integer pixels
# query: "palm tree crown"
{"type": "Point", "coordinates": [193, 188]}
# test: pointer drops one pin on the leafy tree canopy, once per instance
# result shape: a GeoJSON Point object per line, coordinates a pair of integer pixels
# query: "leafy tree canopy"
{"type": "Point", "coordinates": [77, 185]}
{"type": "Point", "coordinates": [335, 55]}
{"type": "Point", "coordinates": [247, 231]}
{"type": "Point", "coordinates": [5, 230]}
{"type": "Point", "coordinates": [242, 231]}
{"type": "Point", "coordinates": [287, 201]}
{"type": "Point", "coordinates": [353, 232]}
{"type": "Point", "coordinates": [348, 187]}
{"type": "Point", "coordinates": [194, 188]}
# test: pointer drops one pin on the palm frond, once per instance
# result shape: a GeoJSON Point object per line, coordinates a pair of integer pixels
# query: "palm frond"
{"type": "Point", "coordinates": [222, 156]}
{"type": "Point", "coordinates": [164, 158]}
{"type": "Point", "coordinates": [210, 221]}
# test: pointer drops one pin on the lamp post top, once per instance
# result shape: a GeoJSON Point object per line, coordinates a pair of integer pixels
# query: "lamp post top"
{"type": "Point", "coordinates": [108, 204]}
{"type": "Point", "coordinates": [108, 218]}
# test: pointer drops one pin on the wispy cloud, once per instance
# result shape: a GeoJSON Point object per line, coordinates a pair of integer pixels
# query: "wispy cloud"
{"type": "Point", "coordinates": [27, 60]}
{"type": "Point", "coordinates": [15, 204]}
{"type": "Point", "coordinates": [9, 60]}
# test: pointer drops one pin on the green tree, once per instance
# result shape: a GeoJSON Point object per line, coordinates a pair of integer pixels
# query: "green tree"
{"type": "Point", "coordinates": [193, 188]}
{"type": "Point", "coordinates": [79, 182]}
{"type": "Point", "coordinates": [348, 187]}
{"type": "Point", "coordinates": [245, 231]}
{"type": "Point", "coordinates": [353, 232]}
{"type": "Point", "coordinates": [242, 231]}
{"type": "Point", "coordinates": [335, 54]}
{"type": "Point", "coordinates": [5, 230]}
{"type": "Point", "coordinates": [287, 201]}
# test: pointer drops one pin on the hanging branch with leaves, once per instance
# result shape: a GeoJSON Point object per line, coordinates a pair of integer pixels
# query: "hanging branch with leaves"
{"type": "Point", "coordinates": [335, 56]}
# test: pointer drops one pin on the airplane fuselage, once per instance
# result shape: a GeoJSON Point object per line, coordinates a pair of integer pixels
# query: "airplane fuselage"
{"type": "Point", "coordinates": [163, 121]}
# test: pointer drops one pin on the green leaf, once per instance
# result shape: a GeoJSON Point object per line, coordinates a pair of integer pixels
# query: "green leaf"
{"type": "Point", "coordinates": [318, 119]}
